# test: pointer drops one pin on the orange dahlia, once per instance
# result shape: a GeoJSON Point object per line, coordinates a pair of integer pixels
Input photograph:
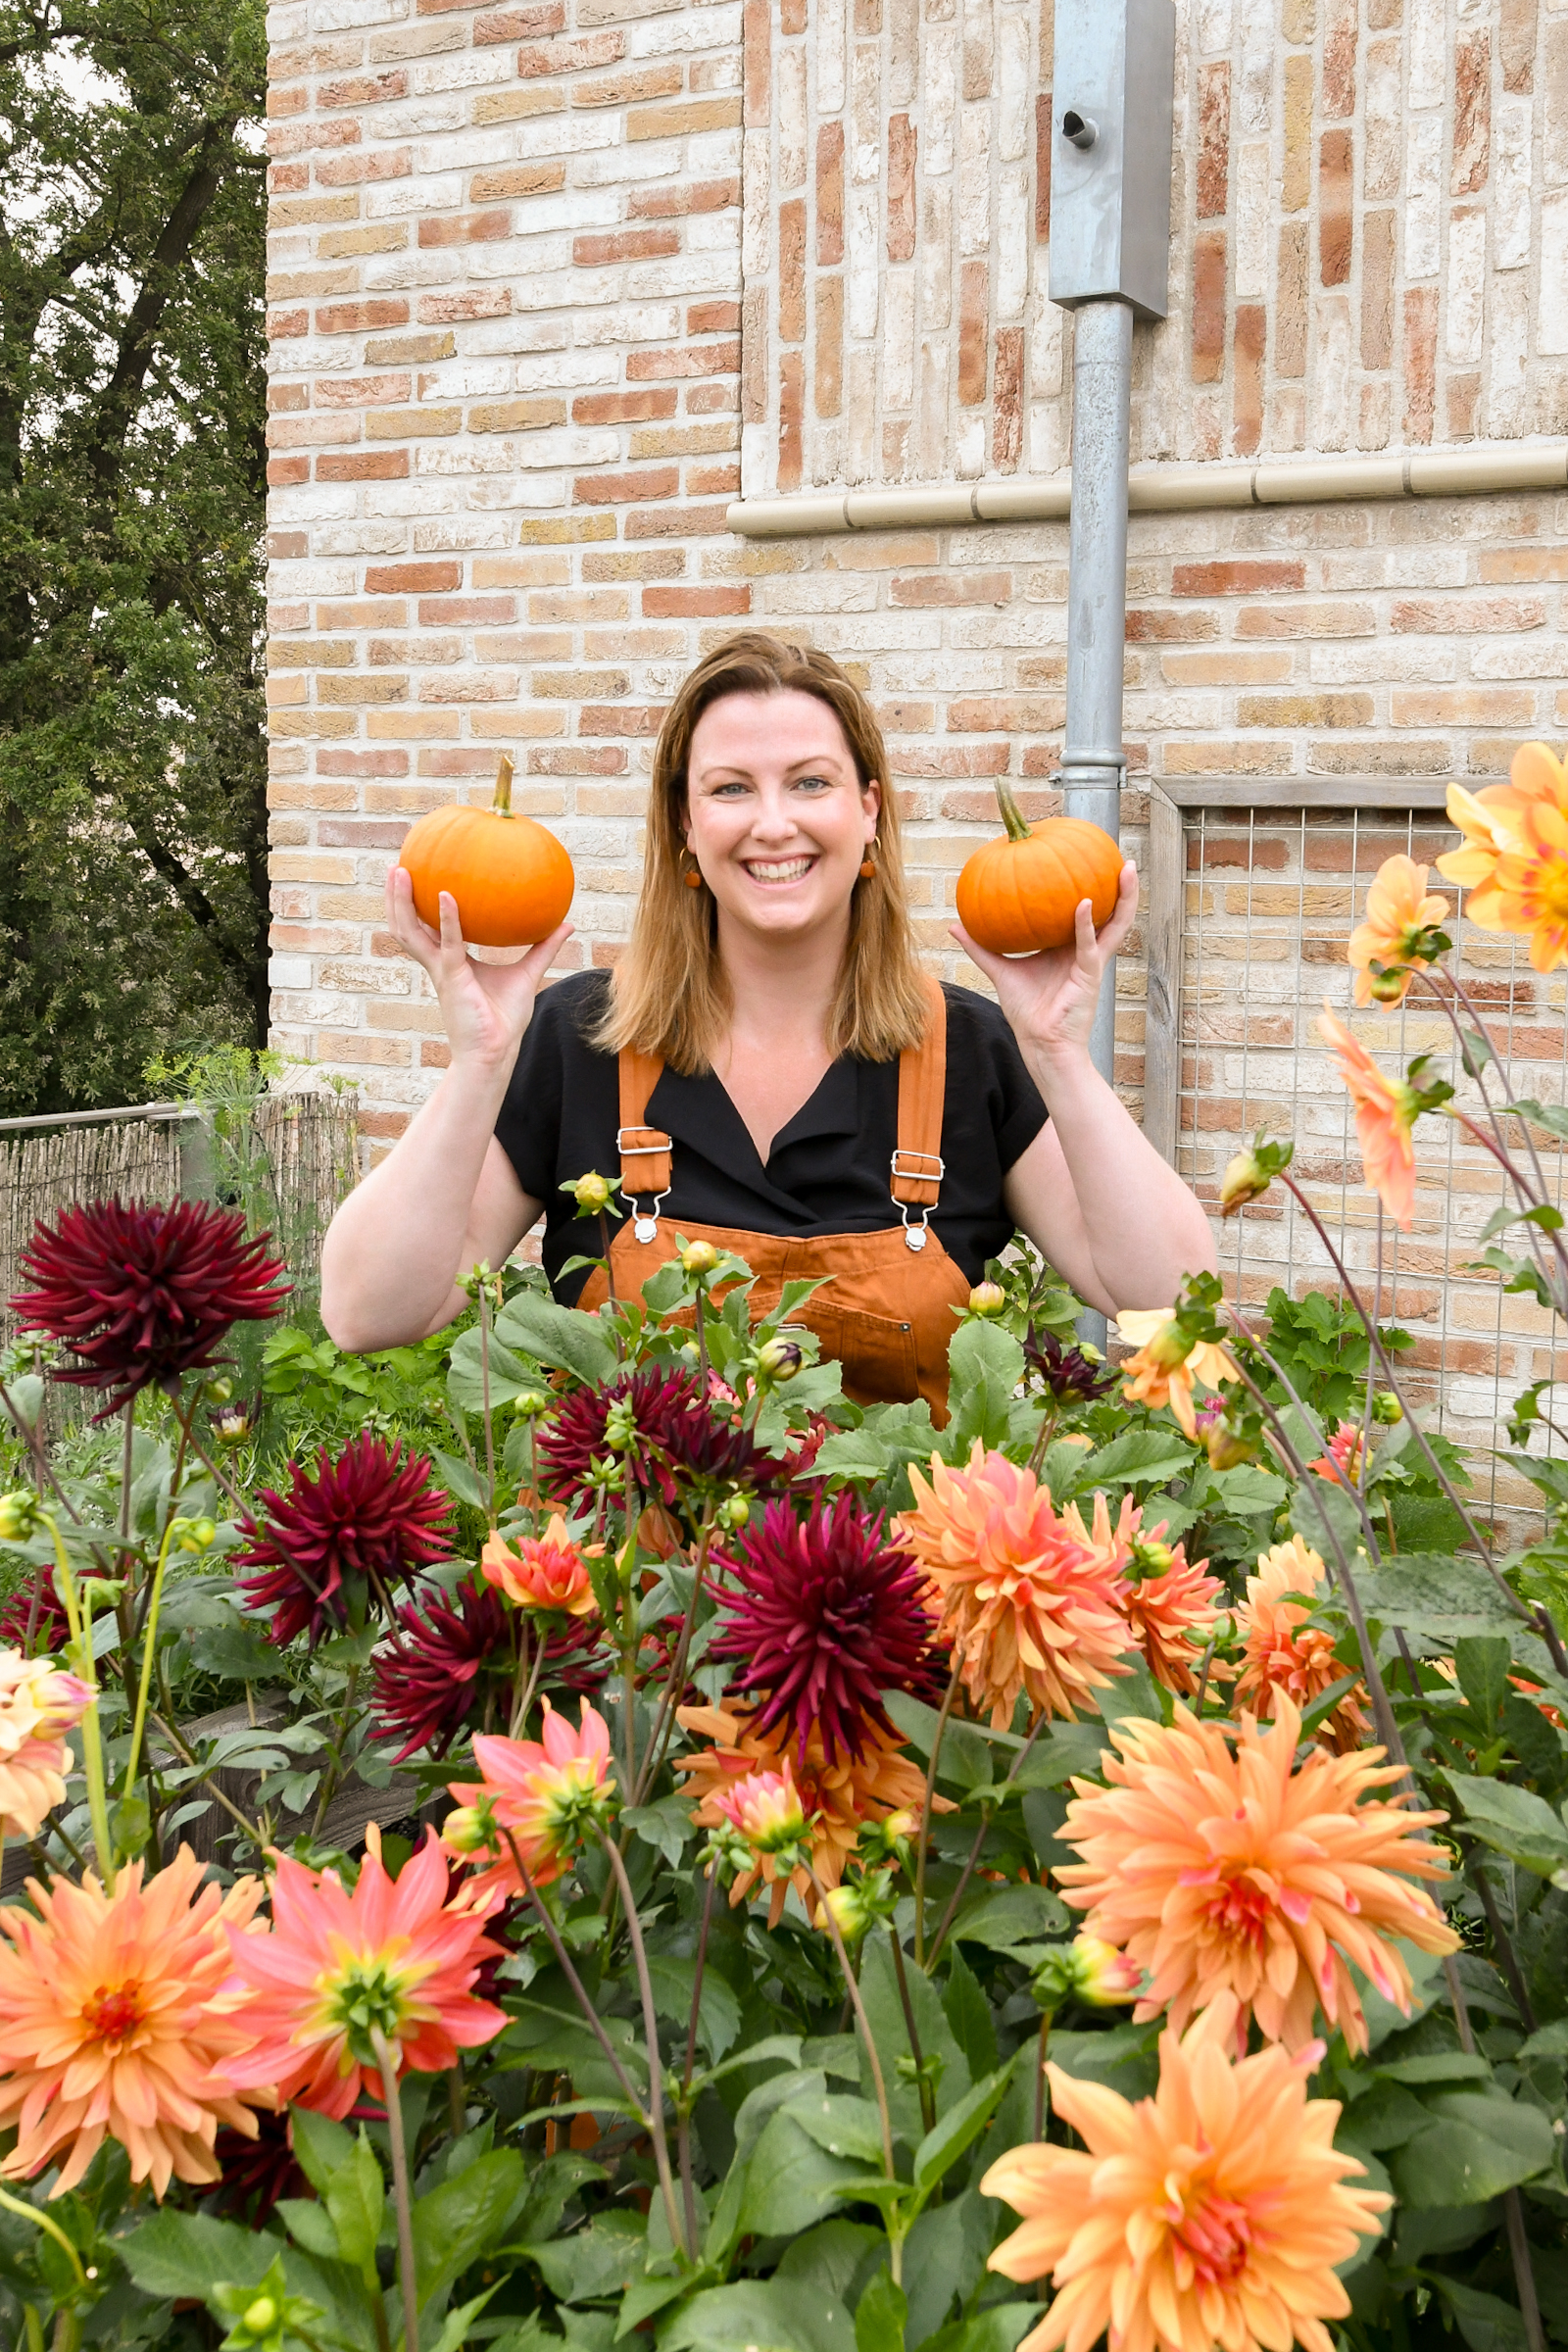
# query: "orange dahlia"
{"type": "Point", "coordinates": [1496, 826]}
{"type": "Point", "coordinates": [1397, 933]}
{"type": "Point", "coordinates": [1528, 894]}
{"type": "Point", "coordinates": [1170, 1608]}
{"type": "Point", "coordinates": [1385, 1113]}
{"type": "Point", "coordinates": [1168, 1362]}
{"type": "Point", "coordinates": [1220, 1867]}
{"type": "Point", "coordinates": [1215, 2213]}
{"type": "Point", "coordinates": [1340, 1463]}
{"type": "Point", "coordinates": [396, 1955]}
{"type": "Point", "coordinates": [836, 1798]}
{"type": "Point", "coordinates": [1030, 1600]}
{"type": "Point", "coordinates": [38, 1704]}
{"type": "Point", "coordinates": [545, 1572]}
{"type": "Point", "coordinates": [1283, 1652]}
{"type": "Point", "coordinates": [540, 1796]}
{"type": "Point", "coordinates": [114, 2022]}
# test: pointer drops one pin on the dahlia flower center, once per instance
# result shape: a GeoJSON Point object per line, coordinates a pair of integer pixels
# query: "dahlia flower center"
{"type": "Point", "coordinates": [1239, 1911]}
{"type": "Point", "coordinates": [1216, 2236]}
{"type": "Point", "coordinates": [113, 2014]}
{"type": "Point", "coordinates": [366, 1993]}
{"type": "Point", "coordinates": [1550, 888]}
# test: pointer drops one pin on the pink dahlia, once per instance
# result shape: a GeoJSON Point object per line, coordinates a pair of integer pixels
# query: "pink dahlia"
{"type": "Point", "coordinates": [826, 1618]}
{"type": "Point", "coordinates": [537, 1796]}
{"type": "Point", "coordinates": [144, 1294]}
{"type": "Point", "coordinates": [343, 1539]}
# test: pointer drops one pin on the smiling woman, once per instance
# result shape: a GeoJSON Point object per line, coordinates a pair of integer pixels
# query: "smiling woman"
{"type": "Point", "coordinates": [769, 1070]}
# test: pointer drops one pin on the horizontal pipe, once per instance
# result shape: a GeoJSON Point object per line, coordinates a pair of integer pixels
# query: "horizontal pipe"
{"type": "Point", "coordinates": [98, 1118]}
{"type": "Point", "coordinates": [1162, 489]}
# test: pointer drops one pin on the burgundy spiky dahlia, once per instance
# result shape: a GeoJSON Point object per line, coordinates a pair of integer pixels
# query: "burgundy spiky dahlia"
{"type": "Point", "coordinates": [255, 2172]}
{"type": "Point", "coordinates": [38, 1605]}
{"type": "Point", "coordinates": [343, 1539]}
{"type": "Point", "coordinates": [826, 1618]}
{"type": "Point", "coordinates": [677, 1436]}
{"type": "Point", "coordinates": [452, 1654]}
{"type": "Point", "coordinates": [144, 1292]}
{"type": "Point", "coordinates": [1067, 1372]}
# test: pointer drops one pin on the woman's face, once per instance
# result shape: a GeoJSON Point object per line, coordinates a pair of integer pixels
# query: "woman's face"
{"type": "Point", "coordinates": [777, 815]}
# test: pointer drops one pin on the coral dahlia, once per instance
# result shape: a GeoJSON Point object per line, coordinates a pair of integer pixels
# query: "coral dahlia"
{"type": "Point", "coordinates": [1386, 1111]}
{"type": "Point", "coordinates": [1341, 1461]}
{"type": "Point", "coordinates": [144, 1294]}
{"type": "Point", "coordinates": [38, 1705]}
{"type": "Point", "coordinates": [544, 1572]}
{"type": "Point", "coordinates": [1220, 1867]}
{"type": "Point", "coordinates": [836, 1798]}
{"type": "Point", "coordinates": [826, 1618]}
{"type": "Point", "coordinates": [113, 2023]}
{"type": "Point", "coordinates": [395, 1955]}
{"type": "Point", "coordinates": [1169, 1604]}
{"type": "Point", "coordinates": [1514, 857]}
{"type": "Point", "coordinates": [342, 1538]}
{"type": "Point", "coordinates": [1215, 2213]}
{"type": "Point", "coordinates": [1168, 1362]}
{"type": "Point", "coordinates": [1283, 1651]}
{"type": "Point", "coordinates": [1030, 1600]}
{"type": "Point", "coordinates": [545, 1792]}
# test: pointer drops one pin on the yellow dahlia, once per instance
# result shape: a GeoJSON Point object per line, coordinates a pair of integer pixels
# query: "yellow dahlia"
{"type": "Point", "coordinates": [1398, 915]}
{"type": "Point", "coordinates": [1030, 1598]}
{"type": "Point", "coordinates": [1214, 2214]}
{"type": "Point", "coordinates": [1168, 1362]}
{"type": "Point", "coordinates": [1221, 1866]}
{"type": "Point", "coordinates": [835, 1799]}
{"type": "Point", "coordinates": [113, 2022]}
{"type": "Point", "coordinates": [1283, 1652]}
{"type": "Point", "coordinates": [1493, 821]}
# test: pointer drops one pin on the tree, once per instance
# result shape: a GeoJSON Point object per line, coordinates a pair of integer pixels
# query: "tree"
{"type": "Point", "coordinates": [132, 474]}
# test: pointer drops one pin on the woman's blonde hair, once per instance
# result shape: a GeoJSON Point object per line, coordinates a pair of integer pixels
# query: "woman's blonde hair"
{"type": "Point", "coordinates": [670, 994]}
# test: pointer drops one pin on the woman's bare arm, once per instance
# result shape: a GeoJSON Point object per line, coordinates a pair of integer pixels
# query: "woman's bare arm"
{"type": "Point", "coordinates": [446, 1197]}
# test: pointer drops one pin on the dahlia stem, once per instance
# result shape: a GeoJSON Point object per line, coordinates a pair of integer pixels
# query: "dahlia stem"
{"type": "Point", "coordinates": [873, 2060]}
{"type": "Point", "coordinates": [400, 2190]}
{"type": "Point", "coordinates": [1045, 2017]}
{"type": "Point", "coordinates": [79, 1617]}
{"type": "Point", "coordinates": [656, 2077]}
{"type": "Point", "coordinates": [683, 2112]}
{"type": "Point", "coordinates": [334, 1770]}
{"type": "Point", "coordinates": [149, 1651]}
{"type": "Point", "coordinates": [1013, 815]}
{"type": "Point", "coordinates": [610, 1279]}
{"type": "Point", "coordinates": [563, 1963]}
{"type": "Point", "coordinates": [50, 2228]}
{"type": "Point", "coordinates": [665, 1721]}
{"type": "Point", "coordinates": [928, 2103]}
{"type": "Point", "coordinates": [969, 1868]}
{"type": "Point", "coordinates": [925, 1810]}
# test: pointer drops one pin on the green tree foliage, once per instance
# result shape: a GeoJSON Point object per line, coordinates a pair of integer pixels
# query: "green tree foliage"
{"type": "Point", "coordinates": [133, 470]}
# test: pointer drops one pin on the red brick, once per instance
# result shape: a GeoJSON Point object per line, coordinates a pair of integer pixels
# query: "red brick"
{"type": "Point", "coordinates": [1335, 208]}
{"type": "Point", "coordinates": [792, 16]}
{"type": "Point", "coordinates": [613, 489]}
{"type": "Point", "coordinates": [368, 466]}
{"type": "Point", "coordinates": [1002, 714]}
{"type": "Point", "coordinates": [1339, 63]}
{"type": "Point", "coordinates": [705, 359]}
{"type": "Point", "coordinates": [903, 144]}
{"type": "Point", "coordinates": [699, 196]}
{"type": "Point", "coordinates": [713, 318]}
{"type": "Point", "coordinates": [1474, 615]}
{"type": "Point", "coordinates": [791, 408]}
{"type": "Point", "coordinates": [1044, 133]}
{"type": "Point", "coordinates": [828, 389]}
{"type": "Point", "coordinates": [412, 579]}
{"type": "Point", "coordinates": [1247, 348]}
{"type": "Point", "coordinates": [1007, 429]}
{"type": "Point", "coordinates": [287, 399]}
{"type": "Point", "coordinates": [1420, 361]}
{"type": "Point", "coordinates": [446, 309]}
{"type": "Point", "coordinates": [364, 89]}
{"type": "Point", "coordinates": [361, 391]}
{"type": "Point", "coordinates": [479, 611]}
{"type": "Point", "coordinates": [361, 317]}
{"type": "Point", "coordinates": [829, 195]}
{"type": "Point", "coordinates": [791, 248]}
{"type": "Point", "coordinates": [465, 228]}
{"type": "Point", "coordinates": [1472, 114]}
{"type": "Point", "coordinates": [755, 63]}
{"type": "Point", "coordinates": [714, 481]}
{"type": "Point", "coordinates": [283, 473]}
{"type": "Point", "coordinates": [623, 245]}
{"type": "Point", "coordinates": [618, 718]}
{"type": "Point", "coordinates": [1290, 304]}
{"type": "Point", "coordinates": [1213, 140]}
{"type": "Point", "coordinates": [622, 408]}
{"type": "Point", "coordinates": [515, 180]}
{"type": "Point", "coordinates": [577, 56]}
{"type": "Point", "coordinates": [497, 25]}
{"type": "Point", "coordinates": [287, 179]}
{"type": "Point", "coordinates": [1241, 576]}
{"type": "Point", "coordinates": [282, 324]}
{"type": "Point", "coordinates": [1208, 306]}
{"type": "Point", "coordinates": [1165, 628]}
{"type": "Point", "coordinates": [374, 163]}
{"type": "Point", "coordinates": [695, 604]}
{"type": "Point", "coordinates": [953, 759]}
{"type": "Point", "coordinates": [973, 307]}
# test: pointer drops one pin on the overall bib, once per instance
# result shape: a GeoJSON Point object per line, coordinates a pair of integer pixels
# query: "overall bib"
{"type": "Point", "coordinates": [887, 1309]}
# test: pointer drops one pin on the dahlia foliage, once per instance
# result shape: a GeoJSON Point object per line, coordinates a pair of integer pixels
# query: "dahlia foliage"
{"type": "Point", "coordinates": [575, 1830]}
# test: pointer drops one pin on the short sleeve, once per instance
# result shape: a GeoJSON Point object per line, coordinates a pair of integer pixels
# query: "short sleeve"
{"type": "Point", "coordinates": [981, 1040]}
{"type": "Point", "coordinates": [549, 1066]}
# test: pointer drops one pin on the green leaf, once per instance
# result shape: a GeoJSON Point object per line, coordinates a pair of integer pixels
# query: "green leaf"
{"type": "Point", "coordinates": [310, 2225]}
{"type": "Point", "coordinates": [645, 2296]}
{"type": "Point", "coordinates": [181, 2256]}
{"type": "Point", "coordinates": [561, 1336]}
{"type": "Point", "coordinates": [785, 2049]}
{"type": "Point", "coordinates": [1247, 1489]}
{"type": "Point", "coordinates": [1541, 1114]}
{"type": "Point", "coordinates": [1431, 1594]}
{"type": "Point", "coordinates": [844, 2127]}
{"type": "Point", "coordinates": [1486, 2322]}
{"type": "Point", "coordinates": [1479, 2144]}
{"type": "Point", "coordinates": [968, 2013]}
{"type": "Point", "coordinates": [322, 2146]}
{"type": "Point", "coordinates": [880, 2315]}
{"type": "Point", "coordinates": [1133, 1694]}
{"type": "Point", "coordinates": [457, 1477]}
{"type": "Point", "coordinates": [1482, 1665]}
{"type": "Point", "coordinates": [356, 2198]}
{"type": "Point", "coordinates": [1516, 1821]}
{"type": "Point", "coordinates": [667, 1826]}
{"type": "Point", "coordinates": [1438, 2065]}
{"type": "Point", "coordinates": [760, 2314]}
{"type": "Point", "coordinates": [1000, 1917]}
{"type": "Point", "coordinates": [948, 2140]}
{"type": "Point", "coordinates": [719, 2012]}
{"type": "Point", "coordinates": [595, 2262]}
{"type": "Point", "coordinates": [1139, 1457]}
{"type": "Point", "coordinates": [510, 1375]}
{"type": "Point", "coordinates": [791, 2182]}
{"type": "Point", "coordinates": [984, 1365]}
{"type": "Point", "coordinates": [464, 2218]}
{"type": "Point", "coordinates": [1001, 2328]}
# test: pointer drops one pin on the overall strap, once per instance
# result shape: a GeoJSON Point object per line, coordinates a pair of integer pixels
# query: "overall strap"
{"type": "Point", "coordinates": [645, 1151]}
{"type": "Point", "coordinates": [917, 1165]}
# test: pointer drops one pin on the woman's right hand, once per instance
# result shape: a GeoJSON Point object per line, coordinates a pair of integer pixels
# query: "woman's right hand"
{"type": "Point", "coordinates": [485, 1007]}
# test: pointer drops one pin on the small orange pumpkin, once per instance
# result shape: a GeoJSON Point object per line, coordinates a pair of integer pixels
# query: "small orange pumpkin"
{"type": "Point", "coordinates": [512, 881]}
{"type": "Point", "coordinates": [1020, 894]}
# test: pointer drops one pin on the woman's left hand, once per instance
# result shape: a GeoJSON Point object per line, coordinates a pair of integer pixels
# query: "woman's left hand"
{"type": "Point", "coordinates": [1049, 998]}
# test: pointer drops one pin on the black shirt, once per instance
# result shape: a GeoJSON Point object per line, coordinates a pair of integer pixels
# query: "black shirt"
{"type": "Point", "coordinates": [828, 1171]}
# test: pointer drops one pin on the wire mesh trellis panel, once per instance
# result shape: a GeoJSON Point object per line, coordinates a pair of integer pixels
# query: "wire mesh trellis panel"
{"type": "Point", "coordinates": [1271, 894]}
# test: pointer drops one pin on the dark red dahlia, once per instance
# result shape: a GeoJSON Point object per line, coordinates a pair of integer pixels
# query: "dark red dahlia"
{"type": "Point", "coordinates": [255, 2172]}
{"type": "Point", "coordinates": [455, 1654]}
{"type": "Point", "coordinates": [1067, 1371]}
{"type": "Point", "coordinates": [343, 1539]}
{"type": "Point", "coordinates": [38, 1605]}
{"type": "Point", "coordinates": [827, 1617]}
{"type": "Point", "coordinates": [662, 1425]}
{"type": "Point", "coordinates": [144, 1294]}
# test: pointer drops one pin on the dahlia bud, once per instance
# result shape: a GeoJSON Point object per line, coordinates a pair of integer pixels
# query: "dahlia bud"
{"type": "Point", "coordinates": [218, 1390]}
{"type": "Point", "coordinates": [620, 1426]}
{"type": "Point", "coordinates": [888, 1840]}
{"type": "Point", "coordinates": [1226, 1446]}
{"type": "Point", "coordinates": [470, 1830]}
{"type": "Point", "coordinates": [1387, 983]}
{"type": "Point", "coordinates": [987, 1298]}
{"type": "Point", "coordinates": [1386, 1408]}
{"type": "Point", "coordinates": [1086, 1969]}
{"type": "Point", "coordinates": [591, 1192]}
{"type": "Point", "coordinates": [1169, 1346]}
{"type": "Point", "coordinates": [1148, 1557]}
{"type": "Point", "coordinates": [530, 1405]}
{"type": "Point", "coordinates": [1243, 1180]}
{"type": "Point", "coordinates": [19, 1515]}
{"type": "Point", "coordinates": [193, 1535]}
{"type": "Point", "coordinates": [735, 1512]}
{"type": "Point", "coordinates": [764, 1808]}
{"type": "Point", "coordinates": [779, 1358]}
{"type": "Point", "coordinates": [260, 2315]}
{"type": "Point", "coordinates": [699, 1258]}
{"type": "Point", "coordinates": [860, 1903]}
{"type": "Point", "coordinates": [233, 1426]}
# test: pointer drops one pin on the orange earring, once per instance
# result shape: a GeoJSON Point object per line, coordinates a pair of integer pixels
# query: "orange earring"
{"type": "Point", "coordinates": [867, 866]}
{"type": "Point", "coordinates": [691, 875]}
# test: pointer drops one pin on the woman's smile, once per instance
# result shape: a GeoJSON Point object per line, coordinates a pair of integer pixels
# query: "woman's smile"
{"type": "Point", "coordinates": [776, 870]}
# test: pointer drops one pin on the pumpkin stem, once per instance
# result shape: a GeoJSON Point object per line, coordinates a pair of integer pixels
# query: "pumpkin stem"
{"type": "Point", "coordinates": [1013, 815]}
{"type": "Point", "coordinates": [502, 803]}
